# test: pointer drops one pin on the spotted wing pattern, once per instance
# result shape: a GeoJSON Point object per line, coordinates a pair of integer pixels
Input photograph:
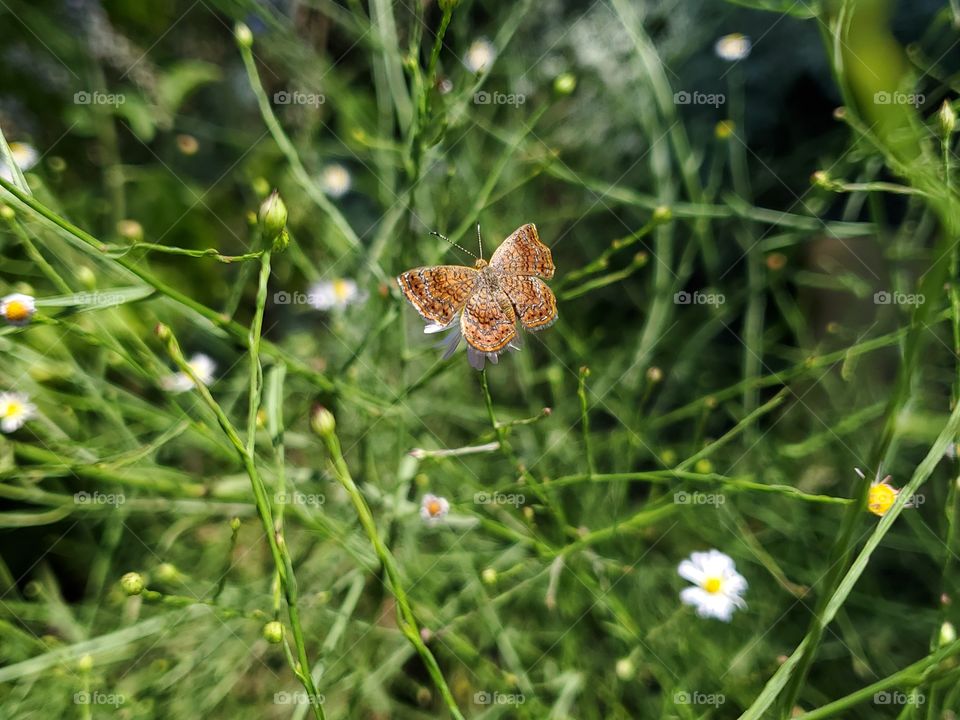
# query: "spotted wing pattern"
{"type": "Point", "coordinates": [534, 302]}
{"type": "Point", "coordinates": [439, 293]}
{"type": "Point", "coordinates": [523, 254]}
{"type": "Point", "coordinates": [488, 322]}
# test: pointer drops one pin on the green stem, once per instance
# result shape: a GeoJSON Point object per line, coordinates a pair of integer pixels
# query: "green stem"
{"type": "Point", "coordinates": [278, 546]}
{"type": "Point", "coordinates": [406, 620]}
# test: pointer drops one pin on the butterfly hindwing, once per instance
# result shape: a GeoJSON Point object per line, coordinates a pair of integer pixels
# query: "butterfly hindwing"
{"type": "Point", "coordinates": [440, 292]}
{"type": "Point", "coordinates": [523, 254]}
{"type": "Point", "coordinates": [488, 322]}
{"type": "Point", "coordinates": [533, 301]}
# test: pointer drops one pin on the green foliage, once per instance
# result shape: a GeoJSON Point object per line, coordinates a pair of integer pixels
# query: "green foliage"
{"type": "Point", "coordinates": [757, 293]}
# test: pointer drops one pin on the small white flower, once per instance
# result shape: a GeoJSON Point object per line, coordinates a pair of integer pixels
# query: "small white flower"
{"type": "Point", "coordinates": [433, 509]}
{"type": "Point", "coordinates": [334, 294]}
{"type": "Point", "coordinates": [733, 47]}
{"type": "Point", "coordinates": [15, 410]}
{"type": "Point", "coordinates": [26, 156]}
{"type": "Point", "coordinates": [717, 584]}
{"type": "Point", "coordinates": [202, 366]}
{"type": "Point", "coordinates": [17, 308]}
{"type": "Point", "coordinates": [335, 180]}
{"type": "Point", "coordinates": [480, 55]}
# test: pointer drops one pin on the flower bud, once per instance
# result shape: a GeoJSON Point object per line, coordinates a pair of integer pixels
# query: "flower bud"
{"type": "Point", "coordinates": [273, 216]}
{"type": "Point", "coordinates": [662, 214]}
{"type": "Point", "coordinates": [85, 663]}
{"type": "Point", "coordinates": [7, 213]}
{"type": "Point", "coordinates": [565, 84]}
{"type": "Point", "coordinates": [132, 583]}
{"type": "Point", "coordinates": [947, 117]}
{"type": "Point", "coordinates": [243, 35]}
{"type": "Point", "coordinates": [489, 576]}
{"type": "Point", "coordinates": [948, 633]}
{"type": "Point", "coordinates": [273, 632]}
{"type": "Point", "coordinates": [322, 421]}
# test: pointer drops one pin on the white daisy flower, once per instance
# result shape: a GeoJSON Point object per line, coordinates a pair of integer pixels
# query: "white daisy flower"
{"type": "Point", "coordinates": [480, 55]}
{"type": "Point", "coordinates": [15, 410]}
{"type": "Point", "coordinates": [17, 308]}
{"type": "Point", "coordinates": [733, 47]}
{"type": "Point", "coordinates": [717, 584]}
{"type": "Point", "coordinates": [202, 366]}
{"type": "Point", "coordinates": [25, 156]}
{"type": "Point", "coordinates": [433, 509]}
{"type": "Point", "coordinates": [335, 180]}
{"type": "Point", "coordinates": [335, 294]}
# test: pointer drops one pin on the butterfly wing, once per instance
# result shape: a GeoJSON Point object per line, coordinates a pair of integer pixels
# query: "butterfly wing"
{"type": "Point", "coordinates": [523, 254]}
{"type": "Point", "coordinates": [440, 292]}
{"type": "Point", "coordinates": [533, 301]}
{"type": "Point", "coordinates": [488, 322]}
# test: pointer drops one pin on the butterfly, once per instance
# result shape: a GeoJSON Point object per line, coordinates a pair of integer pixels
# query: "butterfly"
{"type": "Point", "coordinates": [489, 297]}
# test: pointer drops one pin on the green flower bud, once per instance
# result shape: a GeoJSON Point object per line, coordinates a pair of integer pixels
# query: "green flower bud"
{"type": "Point", "coordinates": [948, 633]}
{"type": "Point", "coordinates": [662, 214]}
{"type": "Point", "coordinates": [261, 187]}
{"type": "Point", "coordinates": [85, 663]}
{"type": "Point", "coordinates": [167, 572]}
{"type": "Point", "coordinates": [489, 576]}
{"type": "Point", "coordinates": [132, 583]}
{"type": "Point", "coordinates": [273, 632]}
{"type": "Point", "coordinates": [7, 213]}
{"type": "Point", "coordinates": [235, 524]}
{"type": "Point", "coordinates": [243, 35]}
{"type": "Point", "coordinates": [947, 118]}
{"type": "Point", "coordinates": [565, 84]}
{"type": "Point", "coordinates": [273, 216]}
{"type": "Point", "coordinates": [322, 421]}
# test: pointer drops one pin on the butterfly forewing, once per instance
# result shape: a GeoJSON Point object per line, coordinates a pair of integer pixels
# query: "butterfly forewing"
{"type": "Point", "coordinates": [533, 301]}
{"type": "Point", "coordinates": [439, 293]}
{"type": "Point", "coordinates": [523, 254]}
{"type": "Point", "coordinates": [488, 322]}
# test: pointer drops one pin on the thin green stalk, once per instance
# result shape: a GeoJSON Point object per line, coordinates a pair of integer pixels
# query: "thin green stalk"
{"type": "Point", "coordinates": [406, 619]}
{"type": "Point", "coordinates": [278, 546]}
{"type": "Point", "coordinates": [585, 419]}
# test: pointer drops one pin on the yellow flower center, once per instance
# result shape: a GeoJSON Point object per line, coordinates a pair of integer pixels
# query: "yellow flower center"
{"type": "Point", "coordinates": [712, 585]}
{"type": "Point", "coordinates": [434, 508]}
{"type": "Point", "coordinates": [881, 499]}
{"type": "Point", "coordinates": [341, 289]}
{"type": "Point", "coordinates": [17, 311]}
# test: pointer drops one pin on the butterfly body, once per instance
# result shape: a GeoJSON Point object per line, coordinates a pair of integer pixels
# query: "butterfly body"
{"type": "Point", "coordinates": [490, 297]}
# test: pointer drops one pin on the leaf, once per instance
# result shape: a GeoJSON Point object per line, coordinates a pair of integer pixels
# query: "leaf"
{"type": "Point", "coordinates": [98, 299]}
{"type": "Point", "coordinates": [181, 80]}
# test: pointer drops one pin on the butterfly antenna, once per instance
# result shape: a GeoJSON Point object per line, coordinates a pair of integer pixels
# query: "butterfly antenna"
{"type": "Point", "coordinates": [480, 241]}
{"type": "Point", "coordinates": [444, 237]}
